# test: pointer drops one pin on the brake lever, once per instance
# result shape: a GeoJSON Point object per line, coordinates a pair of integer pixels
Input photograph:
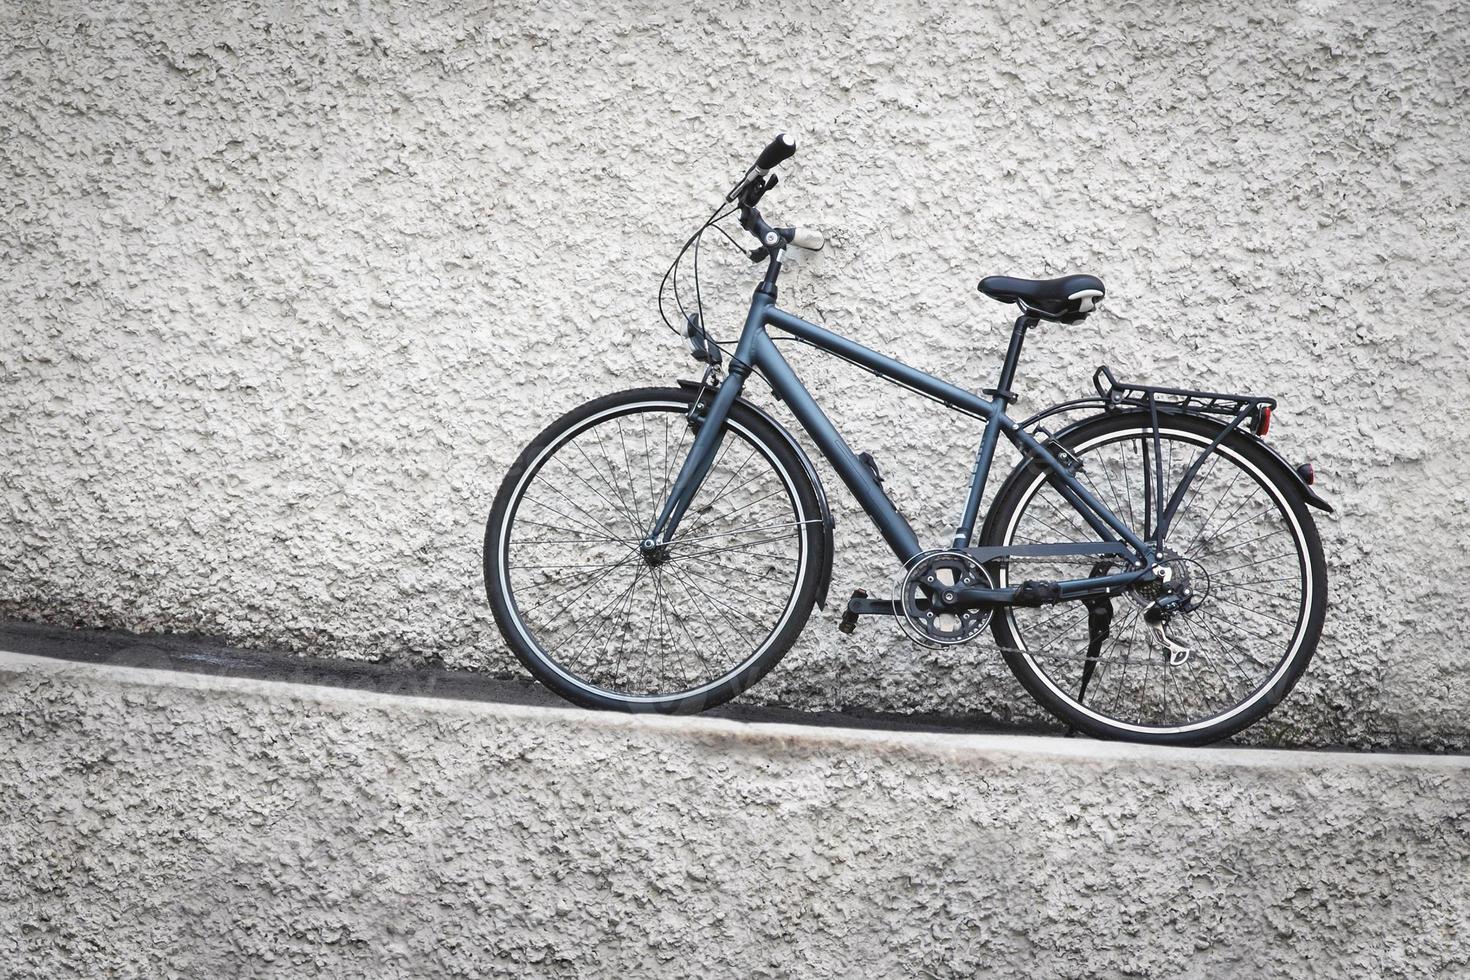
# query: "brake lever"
{"type": "Point", "coordinates": [751, 196]}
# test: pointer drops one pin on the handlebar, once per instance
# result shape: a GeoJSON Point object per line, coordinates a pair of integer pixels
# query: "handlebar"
{"type": "Point", "coordinates": [750, 187]}
{"type": "Point", "coordinates": [749, 190]}
{"type": "Point", "coordinates": [807, 238]}
{"type": "Point", "coordinates": [780, 149]}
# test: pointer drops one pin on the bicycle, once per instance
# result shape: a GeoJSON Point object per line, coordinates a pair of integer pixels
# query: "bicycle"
{"type": "Point", "coordinates": [1150, 572]}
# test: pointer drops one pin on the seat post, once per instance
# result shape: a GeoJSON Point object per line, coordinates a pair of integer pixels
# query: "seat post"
{"type": "Point", "coordinates": [1024, 322]}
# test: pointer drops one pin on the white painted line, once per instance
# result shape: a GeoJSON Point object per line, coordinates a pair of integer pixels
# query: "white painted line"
{"type": "Point", "coordinates": [953, 746]}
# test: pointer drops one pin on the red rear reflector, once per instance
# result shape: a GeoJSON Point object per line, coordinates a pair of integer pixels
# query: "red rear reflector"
{"type": "Point", "coordinates": [1308, 475]}
{"type": "Point", "coordinates": [1263, 424]}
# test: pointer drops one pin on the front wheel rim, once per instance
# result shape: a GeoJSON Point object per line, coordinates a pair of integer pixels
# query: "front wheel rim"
{"type": "Point", "coordinates": [676, 582]}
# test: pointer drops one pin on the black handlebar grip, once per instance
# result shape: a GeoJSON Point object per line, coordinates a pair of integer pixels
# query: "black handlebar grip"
{"type": "Point", "coordinates": [783, 147]}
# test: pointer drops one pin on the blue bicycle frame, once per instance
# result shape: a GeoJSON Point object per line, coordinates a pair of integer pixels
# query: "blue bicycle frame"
{"type": "Point", "coordinates": [755, 350]}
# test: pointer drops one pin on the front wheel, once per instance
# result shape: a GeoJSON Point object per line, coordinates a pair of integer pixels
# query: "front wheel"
{"type": "Point", "coordinates": [681, 630]}
{"type": "Point", "coordinates": [1246, 565]}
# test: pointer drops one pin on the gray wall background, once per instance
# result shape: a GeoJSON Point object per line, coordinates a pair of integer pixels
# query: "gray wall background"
{"type": "Point", "coordinates": [287, 287]}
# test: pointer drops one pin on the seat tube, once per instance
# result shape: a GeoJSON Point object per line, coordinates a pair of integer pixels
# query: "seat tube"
{"type": "Point", "coordinates": [979, 476]}
{"type": "Point", "coordinates": [1000, 397]}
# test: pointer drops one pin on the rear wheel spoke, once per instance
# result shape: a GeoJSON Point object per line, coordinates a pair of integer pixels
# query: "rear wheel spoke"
{"type": "Point", "coordinates": [1248, 610]}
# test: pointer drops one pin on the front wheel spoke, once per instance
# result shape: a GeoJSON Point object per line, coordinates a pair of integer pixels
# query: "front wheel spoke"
{"type": "Point", "coordinates": [695, 576]}
{"type": "Point", "coordinates": [695, 646]}
{"type": "Point", "coordinates": [577, 581]}
{"type": "Point", "coordinates": [589, 620]}
{"type": "Point", "coordinates": [583, 510]}
{"type": "Point", "coordinates": [592, 527]}
{"type": "Point", "coordinates": [628, 510]}
{"type": "Point", "coordinates": [734, 472]}
{"type": "Point", "coordinates": [596, 564]}
{"type": "Point", "coordinates": [705, 516]}
{"type": "Point", "coordinates": [628, 468]}
{"type": "Point", "coordinates": [747, 572]}
{"type": "Point", "coordinates": [562, 527]}
{"type": "Point", "coordinates": [693, 570]}
{"type": "Point", "coordinates": [738, 548]}
{"type": "Point", "coordinates": [694, 604]}
{"type": "Point", "coordinates": [602, 633]}
{"type": "Point", "coordinates": [747, 529]}
{"type": "Point", "coordinates": [671, 469]}
{"type": "Point", "coordinates": [597, 578]}
{"type": "Point", "coordinates": [660, 620]}
{"type": "Point", "coordinates": [718, 607]}
{"type": "Point", "coordinates": [546, 541]}
{"type": "Point", "coordinates": [618, 507]}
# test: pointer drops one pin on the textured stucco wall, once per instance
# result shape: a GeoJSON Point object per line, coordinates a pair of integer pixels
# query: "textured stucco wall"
{"type": "Point", "coordinates": [208, 827]}
{"type": "Point", "coordinates": [286, 288]}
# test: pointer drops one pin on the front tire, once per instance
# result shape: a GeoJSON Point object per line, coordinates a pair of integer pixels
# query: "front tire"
{"type": "Point", "coordinates": [684, 632]}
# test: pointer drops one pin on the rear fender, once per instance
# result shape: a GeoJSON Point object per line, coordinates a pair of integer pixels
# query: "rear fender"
{"type": "Point", "coordinates": [824, 581]}
{"type": "Point", "coordinates": [1308, 494]}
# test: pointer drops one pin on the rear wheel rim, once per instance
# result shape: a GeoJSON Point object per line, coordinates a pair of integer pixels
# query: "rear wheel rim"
{"type": "Point", "coordinates": [1226, 669]}
{"type": "Point", "coordinates": [624, 629]}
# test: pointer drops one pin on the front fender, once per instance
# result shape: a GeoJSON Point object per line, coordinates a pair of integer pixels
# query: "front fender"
{"type": "Point", "coordinates": [824, 580]}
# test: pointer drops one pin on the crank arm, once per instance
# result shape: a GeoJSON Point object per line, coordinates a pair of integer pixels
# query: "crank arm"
{"type": "Point", "coordinates": [863, 606]}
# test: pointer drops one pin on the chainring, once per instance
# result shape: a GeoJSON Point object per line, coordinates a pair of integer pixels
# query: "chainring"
{"type": "Point", "coordinates": [937, 572]}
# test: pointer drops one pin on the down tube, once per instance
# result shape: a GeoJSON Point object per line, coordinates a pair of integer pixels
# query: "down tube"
{"type": "Point", "coordinates": [865, 488]}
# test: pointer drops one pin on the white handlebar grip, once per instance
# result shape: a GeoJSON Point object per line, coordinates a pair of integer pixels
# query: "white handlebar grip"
{"type": "Point", "coordinates": [809, 239]}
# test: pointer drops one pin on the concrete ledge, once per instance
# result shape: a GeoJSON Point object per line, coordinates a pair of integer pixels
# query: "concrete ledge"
{"type": "Point", "coordinates": [160, 823]}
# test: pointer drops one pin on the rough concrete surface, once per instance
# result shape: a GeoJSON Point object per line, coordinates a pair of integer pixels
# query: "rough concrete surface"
{"type": "Point", "coordinates": [288, 285]}
{"type": "Point", "coordinates": [159, 824]}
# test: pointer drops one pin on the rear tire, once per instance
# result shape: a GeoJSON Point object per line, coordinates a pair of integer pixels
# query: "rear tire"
{"type": "Point", "coordinates": [1051, 677]}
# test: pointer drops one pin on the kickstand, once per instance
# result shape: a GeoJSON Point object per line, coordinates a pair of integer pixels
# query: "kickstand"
{"type": "Point", "coordinates": [1099, 628]}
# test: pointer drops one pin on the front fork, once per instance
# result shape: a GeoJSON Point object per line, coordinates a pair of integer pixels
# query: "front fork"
{"type": "Point", "coordinates": [708, 429]}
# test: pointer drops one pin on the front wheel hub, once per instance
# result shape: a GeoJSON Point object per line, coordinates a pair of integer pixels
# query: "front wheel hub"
{"type": "Point", "coordinates": [653, 553]}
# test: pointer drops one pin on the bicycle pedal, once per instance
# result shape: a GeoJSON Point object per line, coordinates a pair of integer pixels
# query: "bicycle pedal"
{"type": "Point", "coordinates": [850, 618]}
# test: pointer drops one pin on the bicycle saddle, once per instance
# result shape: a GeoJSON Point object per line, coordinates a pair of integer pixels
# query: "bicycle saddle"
{"type": "Point", "coordinates": [1068, 299]}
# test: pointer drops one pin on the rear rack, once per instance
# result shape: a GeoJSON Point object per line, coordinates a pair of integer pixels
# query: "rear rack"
{"type": "Point", "coordinates": [1118, 394]}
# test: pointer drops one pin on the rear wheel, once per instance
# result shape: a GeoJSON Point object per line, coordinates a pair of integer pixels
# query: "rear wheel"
{"type": "Point", "coordinates": [687, 628]}
{"type": "Point", "coordinates": [1245, 561]}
